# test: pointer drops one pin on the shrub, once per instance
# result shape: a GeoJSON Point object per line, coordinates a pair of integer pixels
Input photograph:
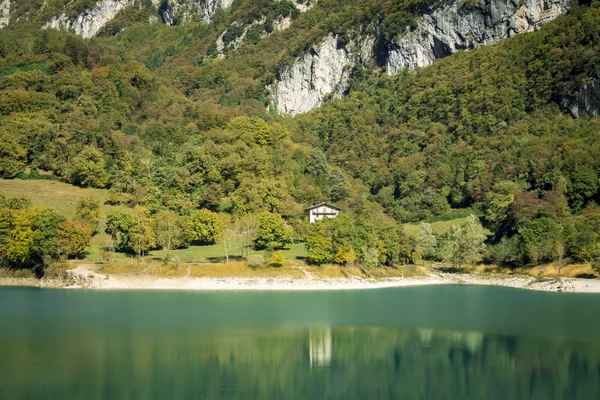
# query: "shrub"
{"type": "Point", "coordinates": [256, 261]}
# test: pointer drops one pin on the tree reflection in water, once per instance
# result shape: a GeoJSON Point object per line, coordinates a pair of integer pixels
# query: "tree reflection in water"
{"type": "Point", "coordinates": [302, 363]}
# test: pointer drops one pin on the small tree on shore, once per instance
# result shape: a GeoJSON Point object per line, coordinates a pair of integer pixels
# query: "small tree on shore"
{"type": "Point", "coordinates": [247, 227]}
{"type": "Point", "coordinates": [141, 236]}
{"type": "Point", "coordinates": [74, 237]}
{"type": "Point", "coordinates": [169, 231]}
{"type": "Point", "coordinates": [465, 244]}
{"type": "Point", "coordinates": [227, 236]}
{"type": "Point", "coordinates": [426, 242]}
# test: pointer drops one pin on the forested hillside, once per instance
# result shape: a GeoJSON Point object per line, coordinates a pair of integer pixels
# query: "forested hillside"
{"type": "Point", "coordinates": [176, 121]}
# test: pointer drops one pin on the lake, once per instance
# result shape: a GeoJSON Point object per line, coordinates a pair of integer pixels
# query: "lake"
{"type": "Point", "coordinates": [436, 342]}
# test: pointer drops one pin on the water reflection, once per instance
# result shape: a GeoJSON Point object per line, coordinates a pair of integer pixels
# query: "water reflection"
{"type": "Point", "coordinates": [320, 347]}
{"type": "Point", "coordinates": [280, 362]}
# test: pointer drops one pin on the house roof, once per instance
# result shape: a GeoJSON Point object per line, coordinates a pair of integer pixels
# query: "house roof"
{"type": "Point", "coordinates": [323, 204]}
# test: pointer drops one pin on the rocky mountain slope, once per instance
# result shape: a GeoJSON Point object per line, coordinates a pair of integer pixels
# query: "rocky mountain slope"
{"type": "Point", "coordinates": [89, 23]}
{"type": "Point", "coordinates": [323, 72]}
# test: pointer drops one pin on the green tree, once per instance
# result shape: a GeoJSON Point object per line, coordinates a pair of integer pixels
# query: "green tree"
{"type": "Point", "coordinates": [318, 244]}
{"type": "Point", "coordinates": [205, 226]}
{"type": "Point", "coordinates": [141, 235]}
{"type": "Point", "coordinates": [272, 232]}
{"type": "Point", "coordinates": [12, 156]}
{"type": "Point", "coordinates": [339, 189]}
{"type": "Point", "coordinates": [170, 231]}
{"type": "Point", "coordinates": [499, 202]}
{"type": "Point", "coordinates": [370, 258]}
{"type": "Point", "coordinates": [316, 163]}
{"type": "Point", "coordinates": [88, 168]}
{"type": "Point", "coordinates": [541, 239]}
{"type": "Point", "coordinates": [426, 242]}
{"type": "Point", "coordinates": [74, 237]}
{"type": "Point", "coordinates": [465, 244]}
{"type": "Point", "coordinates": [88, 210]}
{"type": "Point", "coordinates": [20, 242]}
{"type": "Point", "coordinates": [247, 228]}
{"type": "Point", "coordinates": [118, 226]}
{"type": "Point", "coordinates": [41, 44]}
{"type": "Point", "coordinates": [46, 249]}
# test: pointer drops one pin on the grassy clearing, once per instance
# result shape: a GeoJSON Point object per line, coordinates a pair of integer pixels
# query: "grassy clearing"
{"type": "Point", "coordinates": [193, 254]}
{"type": "Point", "coordinates": [60, 196]}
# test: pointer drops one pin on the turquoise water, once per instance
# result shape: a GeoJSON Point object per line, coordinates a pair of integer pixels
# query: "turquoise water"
{"type": "Point", "coordinates": [448, 342]}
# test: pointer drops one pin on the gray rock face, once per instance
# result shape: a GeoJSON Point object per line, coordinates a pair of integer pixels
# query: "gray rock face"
{"type": "Point", "coordinates": [91, 21]}
{"type": "Point", "coordinates": [320, 73]}
{"type": "Point", "coordinates": [205, 9]}
{"type": "Point", "coordinates": [4, 13]}
{"type": "Point", "coordinates": [452, 28]}
{"type": "Point", "coordinates": [586, 101]}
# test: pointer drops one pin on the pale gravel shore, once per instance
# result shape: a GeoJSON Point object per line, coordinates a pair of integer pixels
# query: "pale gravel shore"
{"type": "Point", "coordinates": [84, 277]}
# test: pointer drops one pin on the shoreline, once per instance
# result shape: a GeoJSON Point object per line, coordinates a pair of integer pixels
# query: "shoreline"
{"type": "Point", "coordinates": [86, 278]}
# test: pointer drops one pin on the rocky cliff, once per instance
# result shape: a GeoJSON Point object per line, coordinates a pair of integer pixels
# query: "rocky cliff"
{"type": "Point", "coordinates": [305, 85]}
{"type": "Point", "coordinates": [89, 23]}
{"type": "Point", "coordinates": [323, 71]}
{"type": "Point", "coordinates": [4, 13]}
{"type": "Point", "coordinates": [205, 9]}
{"type": "Point", "coordinates": [451, 28]}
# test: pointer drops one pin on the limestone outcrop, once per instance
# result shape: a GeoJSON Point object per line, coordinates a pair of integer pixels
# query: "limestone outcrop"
{"type": "Point", "coordinates": [4, 13]}
{"type": "Point", "coordinates": [453, 27]}
{"type": "Point", "coordinates": [321, 73]}
{"type": "Point", "coordinates": [89, 23]}
{"type": "Point", "coordinates": [205, 9]}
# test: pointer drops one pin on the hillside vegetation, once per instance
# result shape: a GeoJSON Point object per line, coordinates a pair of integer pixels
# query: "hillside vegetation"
{"type": "Point", "coordinates": [176, 134]}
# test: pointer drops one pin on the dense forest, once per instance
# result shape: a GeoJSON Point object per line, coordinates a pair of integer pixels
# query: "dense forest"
{"type": "Point", "coordinates": [183, 136]}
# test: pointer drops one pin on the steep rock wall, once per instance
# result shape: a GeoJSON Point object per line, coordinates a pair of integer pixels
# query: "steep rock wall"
{"type": "Point", "coordinates": [205, 9]}
{"type": "Point", "coordinates": [451, 28]}
{"type": "Point", "coordinates": [4, 13]}
{"type": "Point", "coordinates": [89, 23]}
{"type": "Point", "coordinates": [322, 72]}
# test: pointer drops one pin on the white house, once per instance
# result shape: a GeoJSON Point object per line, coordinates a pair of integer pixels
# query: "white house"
{"type": "Point", "coordinates": [322, 210]}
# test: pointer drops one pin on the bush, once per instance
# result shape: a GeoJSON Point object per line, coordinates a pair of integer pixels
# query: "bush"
{"type": "Point", "coordinates": [277, 259]}
{"type": "Point", "coordinates": [256, 261]}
